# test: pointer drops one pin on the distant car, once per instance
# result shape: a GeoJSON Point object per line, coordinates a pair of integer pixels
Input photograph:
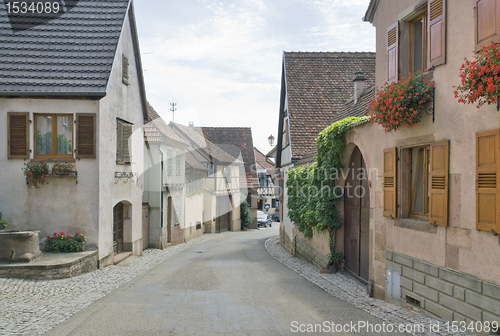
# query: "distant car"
{"type": "Point", "coordinates": [263, 219]}
{"type": "Point", "coordinates": [277, 217]}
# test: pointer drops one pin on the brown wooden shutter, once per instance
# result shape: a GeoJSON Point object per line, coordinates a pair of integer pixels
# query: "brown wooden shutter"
{"type": "Point", "coordinates": [487, 173]}
{"type": "Point", "coordinates": [127, 132]}
{"type": "Point", "coordinates": [392, 53]}
{"type": "Point", "coordinates": [85, 136]}
{"type": "Point", "coordinates": [390, 184]}
{"type": "Point", "coordinates": [486, 23]}
{"type": "Point", "coordinates": [18, 141]}
{"type": "Point", "coordinates": [436, 31]}
{"type": "Point", "coordinates": [438, 176]}
{"type": "Point", "coordinates": [119, 141]}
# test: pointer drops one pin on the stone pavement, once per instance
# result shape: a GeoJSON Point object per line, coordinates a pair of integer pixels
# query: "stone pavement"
{"type": "Point", "coordinates": [32, 307]}
{"type": "Point", "coordinates": [346, 288]}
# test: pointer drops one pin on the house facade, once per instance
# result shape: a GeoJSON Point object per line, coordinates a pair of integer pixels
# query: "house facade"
{"type": "Point", "coordinates": [266, 199]}
{"type": "Point", "coordinates": [433, 188]}
{"type": "Point", "coordinates": [314, 89]}
{"type": "Point", "coordinates": [65, 104]}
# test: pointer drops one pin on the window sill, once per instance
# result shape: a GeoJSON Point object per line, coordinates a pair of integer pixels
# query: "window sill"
{"type": "Point", "coordinates": [51, 160]}
{"type": "Point", "coordinates": [415, 224]}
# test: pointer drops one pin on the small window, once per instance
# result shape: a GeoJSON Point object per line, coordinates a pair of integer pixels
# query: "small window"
{"type": "Point", "coordinates": [123, 134]}
{"type": "Point", "coordinates": [178, 163]}
{"type": "Point", "coordinates": [249, 200]}
{"type": "Point", "coordinates": [418, 44]}
{"type": "Point", "coordinates": [125, 76]}
{"type": "Point", "coordinates": [228, 174]}
{"type": "Point", "coordinates": [419, 183]}
{"type": "Point", "coordinates": [211, 170]}
{"type": "Point", "coordinates": [53, 138]}
{"type": "Point", "coordinates": [169, 163]}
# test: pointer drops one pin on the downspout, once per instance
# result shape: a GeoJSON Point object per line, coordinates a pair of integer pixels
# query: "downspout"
{"type": "Point", "coordinates": [161, 193]}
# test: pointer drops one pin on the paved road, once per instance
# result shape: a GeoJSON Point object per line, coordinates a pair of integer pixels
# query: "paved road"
{"type": "Point", "coordinates": [226, 286]}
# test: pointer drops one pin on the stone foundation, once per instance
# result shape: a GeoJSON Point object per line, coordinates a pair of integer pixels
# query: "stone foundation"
{"type": "Point", "coordinates": [304, 250]}
{"type": "Point", "coordinates": [286, 241]}
{"type": "Point", "coordinates": [440, 292]}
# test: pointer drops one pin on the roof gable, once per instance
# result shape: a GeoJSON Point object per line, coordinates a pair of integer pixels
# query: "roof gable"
{"type": "Point", "coordinates": [71, 55]}
{"type": "Point", "coordinates": [317, 86]}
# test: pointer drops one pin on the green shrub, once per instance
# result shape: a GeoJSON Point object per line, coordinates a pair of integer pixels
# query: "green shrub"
{"type": "Point", "coordinates": [245, 216]}
{"type": "Point", "coordinates": [60, 243]}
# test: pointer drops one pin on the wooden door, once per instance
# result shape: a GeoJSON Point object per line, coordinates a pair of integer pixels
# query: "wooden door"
{"type": "Point", "coordinates": [223, 214]}
{"type": "Point", "coordinates": [145, 227]}
{"type": "Point", "coordinates": [357, 218]}
{"type": "Point", "coordinates": [118, 228]}
{"type": "Point", "coordinates": [170, 215]}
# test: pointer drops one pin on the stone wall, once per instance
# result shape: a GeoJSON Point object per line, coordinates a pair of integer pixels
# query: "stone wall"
{"type": "Point", "coordinates": [286, 241]}
{"type": "Point", "coordinates": [304, 250]}
{"type": "Point", "coordinates": [177, 235]}
{"type": "Point", "coordinates": [441, 292]}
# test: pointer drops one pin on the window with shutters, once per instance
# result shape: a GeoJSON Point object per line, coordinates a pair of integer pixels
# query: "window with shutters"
{"type": "Point", "coordinates": [418, 41]}
{"type": "Point", "coordinates": [53, 136]}
{"type": "Point", "coordinates": [487, 21]}
{"type": "Point", "coordinates": [123, 134]}
{"type": "Point", "coordinates": [169, 163]}
{"type": "Point", "coordinates": [211, 170]}
{"type": "Point", "coordinates": [421, 186]}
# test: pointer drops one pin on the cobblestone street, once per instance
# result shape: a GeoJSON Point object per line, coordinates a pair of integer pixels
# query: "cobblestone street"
{"type": "Point", "coordinates": [32, 307]}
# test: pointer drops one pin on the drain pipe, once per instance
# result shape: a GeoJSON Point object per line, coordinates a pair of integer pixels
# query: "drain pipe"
{"type": "Point", "coordinates": [161, 193]}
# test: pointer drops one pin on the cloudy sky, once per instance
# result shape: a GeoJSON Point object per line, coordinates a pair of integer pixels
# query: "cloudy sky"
{"type": "Point", "coordinates": [220, 61]}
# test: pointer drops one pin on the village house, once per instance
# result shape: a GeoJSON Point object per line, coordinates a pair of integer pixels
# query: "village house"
{"type": "Point", "coordinates": [314, 88]}
{"type": "Point", "coordinates": [72, 90]}
{"type": "Point", "coordinates": [266, 200]}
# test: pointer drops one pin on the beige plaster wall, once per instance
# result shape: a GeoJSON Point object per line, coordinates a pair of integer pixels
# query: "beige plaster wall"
{"type": "Point", "coordinates": [458, 246]}
{"type": "Point", "coordinates": [61, 205]}
{"type": "Point", "coordinates": [122, 101]}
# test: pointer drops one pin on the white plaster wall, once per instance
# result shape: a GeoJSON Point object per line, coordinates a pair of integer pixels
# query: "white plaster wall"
{"type": "Point", "coordinates": [61, 205]}
{"type": "Point", "coordinates": [122, 101]}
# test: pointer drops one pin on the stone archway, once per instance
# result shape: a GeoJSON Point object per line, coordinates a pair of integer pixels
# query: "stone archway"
{"type": "Point", "coordinates": [122, 227]}
{"type": "Point", "coordinates": [357, 218]}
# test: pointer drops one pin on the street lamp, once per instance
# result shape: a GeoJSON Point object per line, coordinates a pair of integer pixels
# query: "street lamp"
{"type": "Point", "coordinates": [271, 140]}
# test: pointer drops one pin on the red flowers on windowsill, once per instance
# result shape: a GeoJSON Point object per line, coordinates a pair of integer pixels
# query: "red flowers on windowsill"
{"type": "Point", "coordinates": [398, 105]}
{"type": "Point", "coordinates": [480, 82]}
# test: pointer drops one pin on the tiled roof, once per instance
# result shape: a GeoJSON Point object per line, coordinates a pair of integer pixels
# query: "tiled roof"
{"type": "Point", "coordinates": [196, 137]}
{"type": "Point", "coordinates": [318, 84]}
{"type": "Point", "coordinates": [359, 109]}
{"type": "Point", "coordinates": [69, 55]}
{"type": "Point", "coordinates": [237, 139]}
{"type": "Point", "coordinates": [263, 162]}
{"type": "Point", "coordinates": [192, 162]}
{"type": "Point", "coordinates": [156, 129]}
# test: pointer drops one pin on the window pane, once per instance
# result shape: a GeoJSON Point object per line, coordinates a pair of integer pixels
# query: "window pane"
{"type": "Point", "coordinates": [418, 39]}
{"type": "Point", "coordinates": [43, 135]}
{"type": "Point", "coordinates": [64, 135]}
{"type": "Point", "coordinates": [417, 180]}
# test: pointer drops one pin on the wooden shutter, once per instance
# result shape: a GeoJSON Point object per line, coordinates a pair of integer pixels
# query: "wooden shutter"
{"type": "Point", "coordinates": [436, 31]}
{"type": "Point", "coordinates": [285, 132]}
{"type": "Point", "coordinates": [486, 23]}
{"type": "Point", "coordinates": [85, 136]}
{"type": "Point", "coordinates": [119, 141]}
{"type": "Point", "coordinates": [390, 177]}
{"type": "Point", "coordinates": [487, 173]}
{"type": "Point", "coordinates": [127, 132]}
{"type": "Point", "coordinates": [18, 141]}
{"type": "Point", "coordinates": [392, 53]}
{"type": "Point", "coordinates": [438, 176]}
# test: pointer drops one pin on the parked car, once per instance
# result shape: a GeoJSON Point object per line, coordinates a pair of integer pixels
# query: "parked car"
{"type": "Point", "coordinates": [277, 217]}
{"type": "Point", "coordinates": [263, 219]}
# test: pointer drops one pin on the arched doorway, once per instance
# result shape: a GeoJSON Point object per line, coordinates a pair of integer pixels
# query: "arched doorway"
{"type": "Point", "coordinates": [118, 228]}
{"type": "Point", "coordinates": [357, 218]}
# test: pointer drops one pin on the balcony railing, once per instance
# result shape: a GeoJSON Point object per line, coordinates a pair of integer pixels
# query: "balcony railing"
{"type": "Point", "coordinates": [265, 191]}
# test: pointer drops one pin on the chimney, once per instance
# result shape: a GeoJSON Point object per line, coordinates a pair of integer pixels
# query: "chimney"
{"type": "Point", "coordinates": [359, 84]}
{"type": "Point", "coordinates": [191, 124]}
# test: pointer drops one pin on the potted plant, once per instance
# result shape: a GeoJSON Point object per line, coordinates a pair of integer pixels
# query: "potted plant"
{"type": "Point", "coordinates": [36, 172]}
{"type": "Point", "coordinates": [480, 81]}
{"type": "Point", "coordinates": [65, 243]}
{"type": "Point", "coordinates": [400, 104]}
{"type": "Point", "coordinates": [62, 168]}
{"type": "Point", "coordinates": [3, 222]}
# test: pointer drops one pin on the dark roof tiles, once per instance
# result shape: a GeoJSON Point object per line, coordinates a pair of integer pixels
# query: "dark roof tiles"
{"type": "Point", "coordinates": [72, 53]}
{"type": "Point", "coordinates": [318, 84]}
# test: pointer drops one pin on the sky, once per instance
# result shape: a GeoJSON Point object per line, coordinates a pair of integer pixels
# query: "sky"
{"type": "Point", "coordinates": [220, 61]}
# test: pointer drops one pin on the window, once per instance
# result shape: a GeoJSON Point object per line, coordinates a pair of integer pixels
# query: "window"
{"type": "Point", "coordinates": [228, 174]}
{"type": "Point", "coordinates": [18, 135]}
{"type": "Point", "coordinates": [125, 75]}
{"type": "Point", "coordinates": [53, 139]}
{"type": "Point", "coordinates": [419, 182]}
{"type": "Point", "coordinates": [275, 203]}
{"type": "Point", "coordinates": [249, 200]}
{"type": "Point", "coordinates": [123, 134]}
{"type": "Point", "coordinates": [418, 41]}
{"type": "Point", "coordinates": [263, 181]}
{"type": "Point", "coordinates": [286, 134]}
{"type": "Point", "coordinates": [177, 163]}
{"type": "Point", "coordinates": [423, 182]}
{"type": "Point", "coordinates": [211, 170]}
{"type": "Point", "coordinates": [169, 162]}
{"type": "Point", "coordinates": [486, 29]}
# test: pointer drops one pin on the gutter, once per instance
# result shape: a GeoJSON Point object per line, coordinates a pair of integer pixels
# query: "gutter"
{"type": "Point", "coordinates": [161, 193]}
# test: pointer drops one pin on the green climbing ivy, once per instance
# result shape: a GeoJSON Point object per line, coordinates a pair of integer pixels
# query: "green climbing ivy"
{"type": "Point", "coordinates": [312, 191]}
